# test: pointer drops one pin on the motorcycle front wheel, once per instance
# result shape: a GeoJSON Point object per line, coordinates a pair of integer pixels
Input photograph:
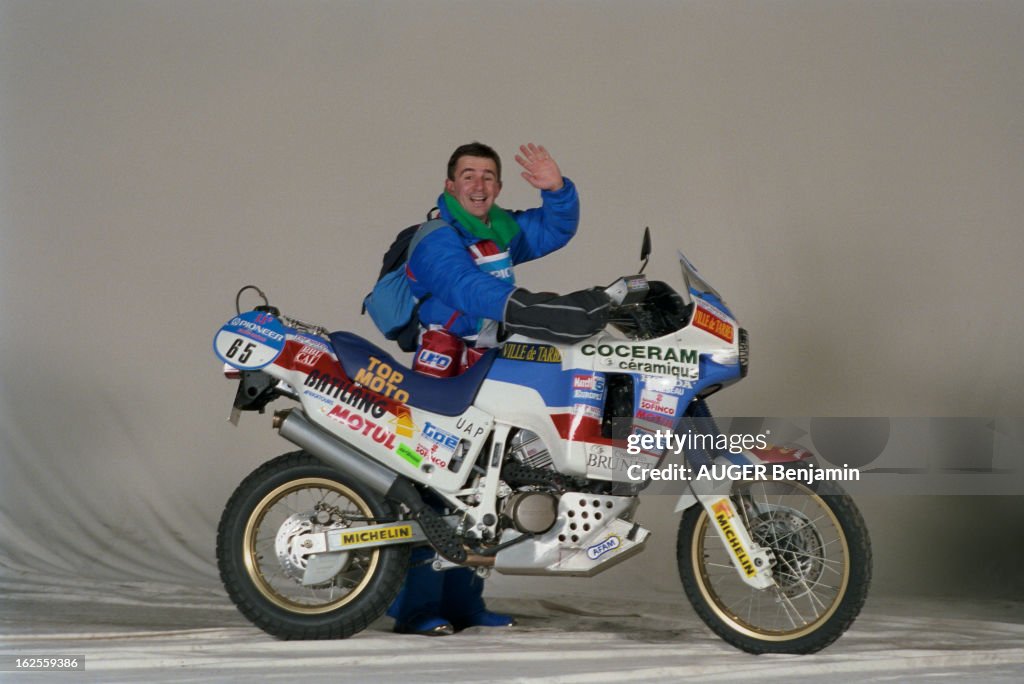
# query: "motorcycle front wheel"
{"type": "Point", "coordinates": [262, 565]}
{"type": "Point", "coordinates": [821, 568]}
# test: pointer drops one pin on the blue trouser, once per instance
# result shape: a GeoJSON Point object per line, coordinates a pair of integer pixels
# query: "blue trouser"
{"type": "Point", "coordinates": [453, 594]}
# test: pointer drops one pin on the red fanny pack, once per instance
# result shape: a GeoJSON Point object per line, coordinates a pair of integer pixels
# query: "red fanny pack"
{"type": "Point", "coordinates": [444, 355]}
{"type": "Point", "coordinates": [440, 354]}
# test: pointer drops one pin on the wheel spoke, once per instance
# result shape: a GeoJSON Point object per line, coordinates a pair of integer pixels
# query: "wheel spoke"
{"type": "Point", "coordinates": [803, 535]}
{"type": "Point", "coordinates": [296, 510]}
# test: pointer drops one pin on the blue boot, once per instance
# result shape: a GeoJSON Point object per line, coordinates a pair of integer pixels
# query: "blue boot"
{"type": "Point", "coordinates": [417, 608]}
{"type": "Point", "coordinates": [462, 602]}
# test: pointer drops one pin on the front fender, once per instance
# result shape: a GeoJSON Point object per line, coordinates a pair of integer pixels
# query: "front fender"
{"type": "Point", "coordinates": [685, 501]}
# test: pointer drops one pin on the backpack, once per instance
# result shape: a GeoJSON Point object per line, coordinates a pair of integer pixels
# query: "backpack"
{"type": "Point", "coordinates": [391, 304]}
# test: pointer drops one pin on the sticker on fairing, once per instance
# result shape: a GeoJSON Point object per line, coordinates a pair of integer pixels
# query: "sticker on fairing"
{"type": "Point", "coordinates": [662, 403]}
{"type": "Point", "coordinates": [610, 544]}
{"type": "Point", "coordinates": [710, 319]}
{"type": "Point", "coordinates": [667, 385]}
{"type": "Point", "coordinates": [250, 341]}
{"type": "Point", "coordinates": [409, 455]}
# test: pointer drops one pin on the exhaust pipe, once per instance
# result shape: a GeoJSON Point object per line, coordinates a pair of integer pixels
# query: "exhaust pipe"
{"type": "Point", "coordinates": [296, 428]}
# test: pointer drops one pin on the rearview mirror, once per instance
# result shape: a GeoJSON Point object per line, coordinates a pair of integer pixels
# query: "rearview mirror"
{"type": "Point", "coordinates": [645, 249]}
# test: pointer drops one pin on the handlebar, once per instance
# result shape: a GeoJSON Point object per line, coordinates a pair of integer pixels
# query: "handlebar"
{"type": "Point", "coordinates": [645, 309]}
{"type": "Point", "coordinates": [628, 290]}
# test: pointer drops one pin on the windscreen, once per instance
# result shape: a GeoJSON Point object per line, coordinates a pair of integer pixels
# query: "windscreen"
{"type": "Point", "coordinates": [695, 284]}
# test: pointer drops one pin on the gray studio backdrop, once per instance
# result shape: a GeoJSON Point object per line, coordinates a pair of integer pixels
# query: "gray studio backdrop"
{"type": "Point", "coordinates": [848, 174]}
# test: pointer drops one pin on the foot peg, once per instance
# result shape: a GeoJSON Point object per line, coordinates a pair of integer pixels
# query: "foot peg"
{"type": "Point", "coordinates": [441, 535]}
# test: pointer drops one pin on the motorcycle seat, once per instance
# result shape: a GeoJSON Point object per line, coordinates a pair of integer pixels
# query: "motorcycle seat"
{"type": "Point", "coordinates": [445, 396]}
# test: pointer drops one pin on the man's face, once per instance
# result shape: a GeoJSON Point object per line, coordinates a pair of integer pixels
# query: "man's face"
{"type": "Point", "coordinates": [476, 185]}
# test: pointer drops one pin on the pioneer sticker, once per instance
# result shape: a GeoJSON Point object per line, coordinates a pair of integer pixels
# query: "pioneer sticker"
{"type": "Point", "coordinates": [250, 341]}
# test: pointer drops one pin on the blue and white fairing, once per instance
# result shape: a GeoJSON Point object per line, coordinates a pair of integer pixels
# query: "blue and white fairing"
{"type": "Point", "coordinates": [425, 428]}
{"type": "Point", "coordinates": [560, 392]}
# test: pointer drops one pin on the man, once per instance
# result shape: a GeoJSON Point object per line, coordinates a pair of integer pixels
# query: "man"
{"type": "Point", "coordinates": [467, 270]}
{"type": "Point", "coordinates": [463, 275]}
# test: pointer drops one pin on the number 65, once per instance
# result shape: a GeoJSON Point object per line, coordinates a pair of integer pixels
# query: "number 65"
{"type": "Point", "coordinates": [246, 352]}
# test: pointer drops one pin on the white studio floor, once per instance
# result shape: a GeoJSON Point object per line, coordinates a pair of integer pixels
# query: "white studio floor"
{"type": "Point", "coordinates": [152, 632]}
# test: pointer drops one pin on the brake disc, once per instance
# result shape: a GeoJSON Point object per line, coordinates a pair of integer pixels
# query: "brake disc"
{"type": "Point", "coordinates": [290, 552]}
{"type": "Point", "coordinates": [797, 547]}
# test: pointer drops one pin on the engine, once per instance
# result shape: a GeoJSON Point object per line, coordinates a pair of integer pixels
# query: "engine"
{"type": "Point", "coordinates": [528, 449]}
{"type": "Point", "coordinates": [531, 512]}
{"type": "Point", "coordinates": [532, 508]}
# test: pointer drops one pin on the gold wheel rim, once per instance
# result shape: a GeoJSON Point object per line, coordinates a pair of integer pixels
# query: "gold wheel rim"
{"type": "Point", "coordinates": [255, 567]}
{"type": "Point", "coordinates": [731, 616]}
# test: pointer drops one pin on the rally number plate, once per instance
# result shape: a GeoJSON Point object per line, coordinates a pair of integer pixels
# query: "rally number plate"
{"type": "Point", "coordinates": [250, 341]}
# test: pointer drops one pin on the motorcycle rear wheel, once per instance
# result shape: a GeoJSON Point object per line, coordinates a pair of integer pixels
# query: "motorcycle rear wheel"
{"type": "Point", "coordinates": [822, 567]}
{"type": "Point", "coordinates": [291, 495]}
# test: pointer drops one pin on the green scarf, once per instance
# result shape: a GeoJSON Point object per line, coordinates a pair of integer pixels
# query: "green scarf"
{"type": "Point", "coordinates": [501, 227]}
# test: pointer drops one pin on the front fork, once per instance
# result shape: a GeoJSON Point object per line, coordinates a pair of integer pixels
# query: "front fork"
{"type": "Point", "coordinates": [752, 562]}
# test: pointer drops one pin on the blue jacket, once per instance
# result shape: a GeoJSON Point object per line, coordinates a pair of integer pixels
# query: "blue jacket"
{"type": "Point", "coordinates": [442, 266]}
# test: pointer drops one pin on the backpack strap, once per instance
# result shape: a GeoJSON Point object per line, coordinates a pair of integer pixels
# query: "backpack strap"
{"type": "Point", "coordinates": [423, 231]}
{"type": "Point", "coordinates": [408, 339]}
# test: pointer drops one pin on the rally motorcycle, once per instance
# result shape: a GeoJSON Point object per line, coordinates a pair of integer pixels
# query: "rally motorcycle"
{"type": "Point", "coordinates": [525, 464]}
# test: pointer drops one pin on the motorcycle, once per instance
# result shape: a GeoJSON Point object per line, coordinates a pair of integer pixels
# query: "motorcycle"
{"type": "Point", "coordinates": [529, 463]}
